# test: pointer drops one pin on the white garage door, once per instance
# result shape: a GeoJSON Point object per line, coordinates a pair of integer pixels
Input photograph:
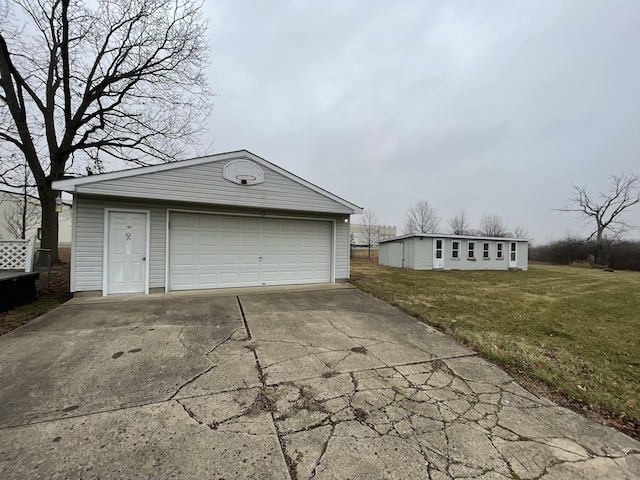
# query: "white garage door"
{"type": "Point", "coordinates": [213, 251]}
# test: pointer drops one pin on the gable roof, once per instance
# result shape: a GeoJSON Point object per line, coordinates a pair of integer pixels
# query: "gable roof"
{"type": "Point", "coordinates": [85, 184]}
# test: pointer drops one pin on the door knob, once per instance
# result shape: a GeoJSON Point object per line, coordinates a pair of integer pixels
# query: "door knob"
{"type": "Point", "coordinates": [144, 258]}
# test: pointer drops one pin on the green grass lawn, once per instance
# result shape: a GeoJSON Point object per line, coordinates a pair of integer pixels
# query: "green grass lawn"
{"type": "Point", "coordinates": [575, 329]}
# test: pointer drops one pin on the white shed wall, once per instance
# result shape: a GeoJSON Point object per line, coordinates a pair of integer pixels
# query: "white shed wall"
{"type": "Point", "coordinates": [422, 248]}
{"type": "Point", "coordinates": [523, 255]}
{"type": "Point", "coordinates": [391, 254]}
{"type": "Point", "coordinates": [478, 263]}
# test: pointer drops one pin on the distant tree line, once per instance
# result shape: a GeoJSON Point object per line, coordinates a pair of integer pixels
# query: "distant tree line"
{"type": "Point", "coordinates": [619, 255]}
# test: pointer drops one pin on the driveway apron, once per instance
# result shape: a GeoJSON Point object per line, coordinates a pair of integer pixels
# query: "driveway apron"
{"type": "Point", "coordinates": [299, 383]}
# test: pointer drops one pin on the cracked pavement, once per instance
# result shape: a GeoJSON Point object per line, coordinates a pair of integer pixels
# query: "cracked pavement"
{"type": "Point", "coordinates": [301, 383]}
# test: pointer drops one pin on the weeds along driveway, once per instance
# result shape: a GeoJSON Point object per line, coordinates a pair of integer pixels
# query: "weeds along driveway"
{"type": "Point", "coordinates": [286, 383]}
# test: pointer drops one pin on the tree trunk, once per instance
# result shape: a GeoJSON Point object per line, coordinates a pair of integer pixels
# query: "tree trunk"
{"type": "Point", "coordinates": [49, 223]}
{"type": "Point", "coordinates": [599, 248]}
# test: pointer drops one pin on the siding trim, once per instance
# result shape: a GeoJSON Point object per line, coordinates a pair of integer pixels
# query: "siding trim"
{"type": "Point", "coordinates": [105, 252]}
{"type": "Point", "coordinates": [167, 216]}
{"type": "Point", "coordinates": [74, 226]}
{"type": "Point", "coordinates": [334, 244]}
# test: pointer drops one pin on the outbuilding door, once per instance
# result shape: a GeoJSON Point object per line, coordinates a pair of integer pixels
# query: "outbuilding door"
{"type": "Point", "coordinates": [126, 262]}
{"type": "Point", "coordinates": [513, 254]}
{"type": "Point", "coordinates": [438, 253]}
{"type": "Point", "coordinates": [214, 251]}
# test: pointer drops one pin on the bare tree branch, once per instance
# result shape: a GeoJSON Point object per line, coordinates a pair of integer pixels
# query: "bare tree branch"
{"type": "Point", "coordinates": [606, 211]}
{"type": "Point", "coordinates": [421, 218]}
{"type": "Point", "coordinates": [459, 224]}
{"type": "Point", "coordinates": [492, 225]}
{"type": "Point", "coordinates": [85, 83]}
{"type": "Point", "coordinates": [371, 228]}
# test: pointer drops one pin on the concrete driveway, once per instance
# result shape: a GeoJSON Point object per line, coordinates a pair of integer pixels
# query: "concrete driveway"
{"type": "Point", "coordinates": [300, 383]}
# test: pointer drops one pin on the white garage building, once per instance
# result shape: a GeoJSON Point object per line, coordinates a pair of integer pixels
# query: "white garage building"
{"type": "Point", "coordinates": [432, 251]}
{"type": "Point", "coordinates": [226, 220]}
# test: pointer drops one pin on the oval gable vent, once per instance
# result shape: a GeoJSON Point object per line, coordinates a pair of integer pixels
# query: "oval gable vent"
{"type": "Point", "coordinates": [243, 172]}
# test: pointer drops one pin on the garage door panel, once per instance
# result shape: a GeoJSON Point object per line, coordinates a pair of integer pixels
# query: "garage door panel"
{"type": "Point", "coordinates": [183, 259]}
{"type": "Point", "coordinates": [213, 251]}
{"type": "Point", "coordinates": [207, 278]}
{"type": "Point", "coordinates": [230, 240]}
{"type": "Point", "coordinates": [205, 240]}
{"type": "Point", "coordinates": [207, 259]}
{"type": "Point", "coordinates": [250, 241]}
{"type": "Point", "coordinates": [227, 259]}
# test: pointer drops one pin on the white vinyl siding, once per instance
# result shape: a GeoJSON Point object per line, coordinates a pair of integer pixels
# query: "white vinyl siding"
{"type": "Point", "coordinates": [89, 244]}
{"type": "Point", "coordinates": [342, 249]}
{"type": "Point", "coordinates": [204, 184]}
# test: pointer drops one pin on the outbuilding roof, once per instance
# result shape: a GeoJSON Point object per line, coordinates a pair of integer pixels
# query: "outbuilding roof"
{"type": "Point", "coordinates": [449, 235]}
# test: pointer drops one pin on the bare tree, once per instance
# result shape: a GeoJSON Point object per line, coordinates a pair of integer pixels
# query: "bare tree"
{"type": "Point", "coordinates": [93, 82]}
{"type": "Point", "coordinates": [21, 216]}
{"type": "Point", "coordinates": [492, 225]}
{"type": "Point", "coordinates": [421, 218]}
{"type": "Point", "coordinates": [459, 224]}
{"type": "Point", "coordinates": [607, 209]}
{"type": "Point", "coordinates": [521, 232]}
{"type": "Point", "coordinates": [370, 227]}
{"type": "Point", "coordinates": [23, 210]}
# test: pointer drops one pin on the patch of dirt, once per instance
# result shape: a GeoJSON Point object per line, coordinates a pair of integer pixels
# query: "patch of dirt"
{"type": "Point", "coordinates": [360, 414]}
{"type": "Point", "coordinates": [52, 290]}
{"type": "Point", "coordinates": [360, 350]}
{"type": "Point", "coordinates": [262, 403]}
{"type": "Point", "coordinates": [55, 283]}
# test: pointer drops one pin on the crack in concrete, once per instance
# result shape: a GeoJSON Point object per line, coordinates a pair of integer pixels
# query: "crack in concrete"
{"type": "Point", "coordinates": [402, 398]}
{"type": "Point", "coordinates": [291, 467]}
{"type": "Point", "coordinates": [191, 380]}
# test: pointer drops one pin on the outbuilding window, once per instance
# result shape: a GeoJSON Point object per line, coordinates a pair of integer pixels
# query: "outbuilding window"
{"type": "Point", "coordinates": [471, 253]}
{"type": "Point", "coordinates": [485, 250]}
{"type": "Point", "coordinates": [455, 249]}
{"type": "Point", "coordinates": [499, 252]}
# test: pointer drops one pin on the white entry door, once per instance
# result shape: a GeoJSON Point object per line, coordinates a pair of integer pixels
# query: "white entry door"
{"type": "Point", "coordinates": [438, 253]}
{"type": "Point", "coordinates": [126, 253]}
{"type": "Point", "coordinates": [513, 255]}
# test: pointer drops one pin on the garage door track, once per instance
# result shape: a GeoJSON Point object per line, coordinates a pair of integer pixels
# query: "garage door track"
{"type": "Point", "coordinates": [300, 383]}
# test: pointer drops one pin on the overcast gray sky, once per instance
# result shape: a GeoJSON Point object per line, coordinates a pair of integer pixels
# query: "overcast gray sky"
{"type": "Point", "coordinates": [487, 106]}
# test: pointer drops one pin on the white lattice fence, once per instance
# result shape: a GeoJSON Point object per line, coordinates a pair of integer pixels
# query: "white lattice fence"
{"type": "Point", "coordinates": [16, 254]}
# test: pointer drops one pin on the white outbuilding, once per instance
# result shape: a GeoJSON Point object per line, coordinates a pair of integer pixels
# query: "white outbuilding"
{"type": "Point", "coordinates": [226, 220]}
{"type": "Point", "coordinates": [429, 251]}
